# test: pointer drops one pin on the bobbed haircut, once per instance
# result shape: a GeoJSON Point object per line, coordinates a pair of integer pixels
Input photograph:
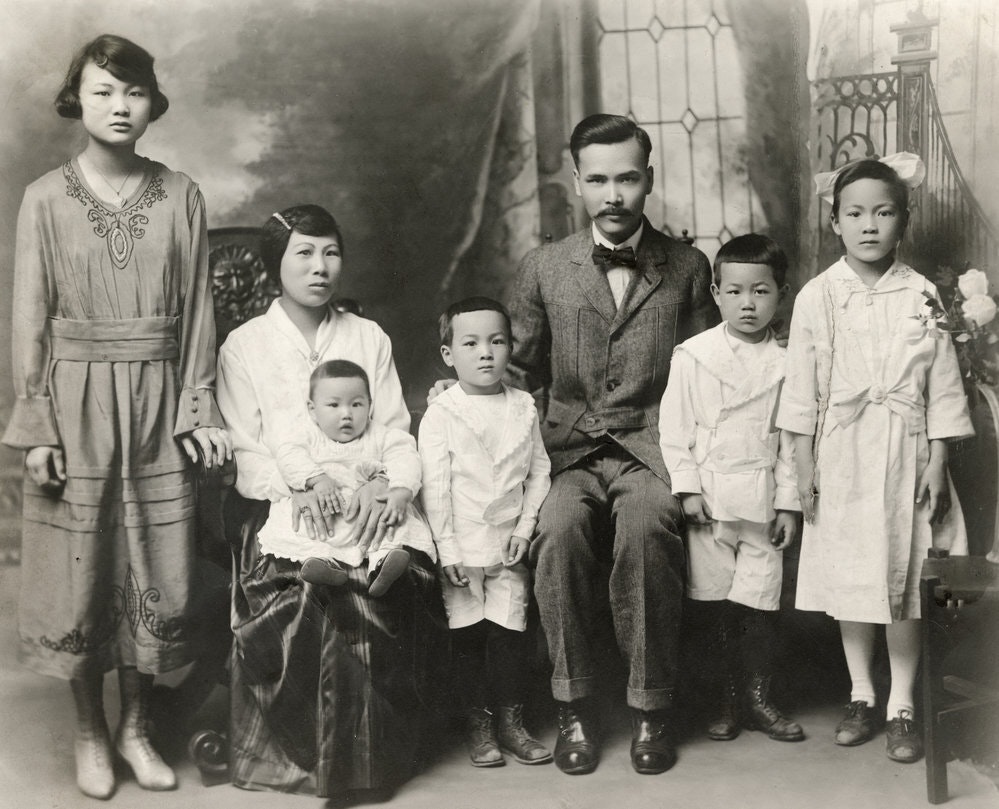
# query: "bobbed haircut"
{"type": "Point", "coordinates": [475, 304]}
{"type": "Point", "coordinates": [120, 57]}
{"type": "Point", "coordinates": [871, 169]}
{"type": "Point", "coordinates": [603, 128]}
{"type": "Point", "coordinates": [752, 248]}
{"type": "Point", "coordinates": [309, 220]}
{"type": "Point", "coordinates": [338, 369]}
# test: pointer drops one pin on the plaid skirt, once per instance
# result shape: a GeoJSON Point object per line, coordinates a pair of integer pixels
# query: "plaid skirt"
{"type": "Point", "coordinates": [332, 690]}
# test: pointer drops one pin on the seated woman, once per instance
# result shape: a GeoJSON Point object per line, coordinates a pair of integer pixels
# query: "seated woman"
{"type": "Point", "coordinates": [331, 688]}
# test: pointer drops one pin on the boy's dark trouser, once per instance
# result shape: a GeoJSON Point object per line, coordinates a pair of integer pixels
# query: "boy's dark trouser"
{"type": "Point", "coordinates": [611, 507]}
{"type": "Point", "coordinates": [490, 665]}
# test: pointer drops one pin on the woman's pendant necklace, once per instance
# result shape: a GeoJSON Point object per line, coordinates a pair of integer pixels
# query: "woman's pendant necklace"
{"type": "Point", "coordinates": [117, 197]}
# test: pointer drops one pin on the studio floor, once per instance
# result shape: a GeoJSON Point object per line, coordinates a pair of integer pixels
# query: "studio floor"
{"type": "Point", "coordinates": [36, 765]}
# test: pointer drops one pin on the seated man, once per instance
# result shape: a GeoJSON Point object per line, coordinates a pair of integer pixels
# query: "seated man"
{"type": "Point", "coordinates": [595, 319]}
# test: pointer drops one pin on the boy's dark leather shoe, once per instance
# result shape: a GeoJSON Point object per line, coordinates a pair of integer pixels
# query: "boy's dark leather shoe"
{"type": "Point", "coordinates": [858, 725]}
{"type": "Point", "coordinates": [726, 726]}
{"type": "Point", "coordinates": [763, 715]}
{"type": "Point", "coordinates": [480, 735]}
{"type": "Point", "coordinates": [576, 751]}
{"type": "Point", "coordinates": [652, 749]}
{"type": "Point", "coordinates": [903, 738]}
{"type": "Point", "coordinates": [516, 739]}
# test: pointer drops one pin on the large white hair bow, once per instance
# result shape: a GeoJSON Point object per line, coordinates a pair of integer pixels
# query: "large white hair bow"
{"type": "Point", "coordinates": [908, 166]}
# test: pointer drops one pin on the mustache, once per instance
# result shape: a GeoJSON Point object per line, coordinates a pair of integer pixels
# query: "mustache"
{"type": "Point", "coordinates": [615, 212]}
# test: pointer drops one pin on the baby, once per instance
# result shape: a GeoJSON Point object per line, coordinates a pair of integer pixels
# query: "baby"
{"type": "Point", "coordinates": [334, 457]}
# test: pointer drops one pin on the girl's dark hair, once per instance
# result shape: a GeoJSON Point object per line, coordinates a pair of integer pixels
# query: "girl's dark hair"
{"type": "Point", "coordinates": [309, 220]}
{"type": "Point", "coordinates": [445, 324]}
{"type": "Point", "coordinates": [338, 369]}
{"type": "Point", "coordinates": [871, 169]}
{"type": "Point", "coordinates": [120, 57]}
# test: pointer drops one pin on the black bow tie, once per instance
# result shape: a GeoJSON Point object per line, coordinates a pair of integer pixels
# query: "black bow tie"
{"type": "Point", "coordinates": [605, 257]}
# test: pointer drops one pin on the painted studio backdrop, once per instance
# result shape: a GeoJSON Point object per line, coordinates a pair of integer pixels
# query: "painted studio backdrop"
{"type": "Point", "coordinates": [436, 130]}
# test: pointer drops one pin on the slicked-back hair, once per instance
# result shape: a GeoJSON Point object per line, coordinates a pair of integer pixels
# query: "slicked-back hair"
{"type": "Point", "coordinates": [309, 220]}
{"type": "Point", "coordinates": [475, 304]}
{"type": "Point", "coordinates": [871, 169]}
{"type": "Point", "coordinates": [603, 128]}
{"type": "Point", "coordinates": [752, 248]}
{"type": "Point", "coordinates": [338, 369]}
{"type": "Point", "coordinates": [124, 60]}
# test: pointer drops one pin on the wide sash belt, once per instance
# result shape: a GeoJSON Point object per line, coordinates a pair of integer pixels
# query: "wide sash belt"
{"type": "Point", "coordinates": [144, 338]}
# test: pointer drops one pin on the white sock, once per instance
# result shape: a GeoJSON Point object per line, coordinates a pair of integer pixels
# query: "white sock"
{"type": "Point", "coordinates": [903, 639]}
{"type": "Point", "coordinates": [858, 646]}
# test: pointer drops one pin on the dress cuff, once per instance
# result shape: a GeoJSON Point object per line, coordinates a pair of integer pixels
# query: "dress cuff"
{"type": "Point", "coordinates": [787, 499]}
{"type": "Point", "coordinates": [797, 419]}
{"type": "Point", "coordinates": [32, 424]}
{"type": "Point", "coordinates": [685, 482]}
{"type": "Point", "coordinates": [447, 551]}
{"type": "Point", "coordinates": [197, 408]}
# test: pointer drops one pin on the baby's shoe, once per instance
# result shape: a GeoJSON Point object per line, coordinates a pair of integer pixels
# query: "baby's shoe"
{"type": "Point", "coordinates": [323, 571]}
{"type": "Point", "coordinates": [517, 740]}
{"type": "Point", "coordinates": [903, 738]}
{"type": "Point", "coordinates": [480, 735]}
{"type": "Point", "coordinates": [94, 765]}
{"type": "Point", "coordinates": [858, 724]}
{"type": "Point", "coordinates": [390, 568]}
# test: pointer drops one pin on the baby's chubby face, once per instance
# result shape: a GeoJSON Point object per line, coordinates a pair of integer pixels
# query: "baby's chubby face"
{"type": "Point", "coordinates": [748, 297]}
{"type": "Point", "coordinates": [341, 407]}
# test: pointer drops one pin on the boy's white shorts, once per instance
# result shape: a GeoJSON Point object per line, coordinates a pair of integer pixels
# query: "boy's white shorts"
{"type": "Point", "coordinates": [734, 561]}
{"type": "Point", "coordinates": [497, 593]}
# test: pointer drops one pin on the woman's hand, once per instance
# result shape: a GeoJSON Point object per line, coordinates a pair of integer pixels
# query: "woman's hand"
{"type": "Point", "coordinates": [396, 504]}
{"type": "Point", "coordinates": [367, 508]}
{"type": "Point", "coordinates": [514, 549]}
{"type": "Point", "coordinates": [214, 443]}
{"type": "Point", "coordinates": [695, 510]}
{"type": "Point", "coordinates": [308, 509]}
{"type": "Point", "coordinates": [456, 575]}
{"type": "Point", "coordinates": [784, 530]}
{"type": "Point", "coordinates": [932, 485]}
{"type": "Point", "coordinates": [46, 467]}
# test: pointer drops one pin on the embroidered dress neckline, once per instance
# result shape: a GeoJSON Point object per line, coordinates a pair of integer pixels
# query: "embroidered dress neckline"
{"type": "Point", "coordinates": [130, 200]}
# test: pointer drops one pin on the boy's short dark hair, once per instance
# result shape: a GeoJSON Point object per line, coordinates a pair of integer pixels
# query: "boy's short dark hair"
{"type": "Point", "coordinates": [309, 220]}
{"type": "Point", "coordinates": [474, 304]}
{"type": "Point", "coordinates": [752, 248]}
{"type": "Point", "coordinates": [338, 369]}
{"type": "Point", "coordinates": [603, 128]}
{"type": "Point", "coordinates": [120, 57]}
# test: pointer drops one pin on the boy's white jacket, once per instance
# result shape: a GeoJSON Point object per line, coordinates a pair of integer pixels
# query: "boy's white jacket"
{"type": "Point", "coordinates": [716, 429]}
{"type": "Point", "coordinates": [473, 500]}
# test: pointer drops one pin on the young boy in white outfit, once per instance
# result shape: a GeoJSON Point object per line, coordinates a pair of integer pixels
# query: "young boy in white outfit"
{"type": "Point", "coordinates": [485, 475]}
{"type": "Point", "coordinates": [733, 473]}
{"type": "Point", "coordinates": [338, 451]}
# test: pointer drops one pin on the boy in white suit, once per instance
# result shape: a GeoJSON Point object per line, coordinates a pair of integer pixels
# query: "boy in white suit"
{"type": "Point", "coordinates": [733, 473]}
{"type": "Point", "coordinates": [485, 475]}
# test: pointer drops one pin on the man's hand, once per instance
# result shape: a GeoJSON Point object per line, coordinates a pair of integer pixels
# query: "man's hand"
{"type": "Point", "coordinates": [784, 530]}
{"type": "Point", "coordinates": [46, 467]}
{"type": "Point", "coordinates": [695, 509]}
{"type": "Point", "coordinates": [456, 575]}
{"type": "Point", "coordinates": [214, 443]}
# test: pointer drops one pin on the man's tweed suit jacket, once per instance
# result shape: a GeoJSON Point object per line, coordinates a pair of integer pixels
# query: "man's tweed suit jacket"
{"type": "Point", "coordinates": [597, 370]}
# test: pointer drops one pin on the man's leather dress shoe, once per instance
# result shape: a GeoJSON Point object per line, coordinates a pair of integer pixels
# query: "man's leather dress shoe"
{"type": "Point", "coordinates": [652, 750]}
{"type": "Point", "coordinates": [576, 750]}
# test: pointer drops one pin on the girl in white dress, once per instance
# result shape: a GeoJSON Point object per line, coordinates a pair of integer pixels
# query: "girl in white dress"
{"type": "Point", "coordinates": [873, 394]}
